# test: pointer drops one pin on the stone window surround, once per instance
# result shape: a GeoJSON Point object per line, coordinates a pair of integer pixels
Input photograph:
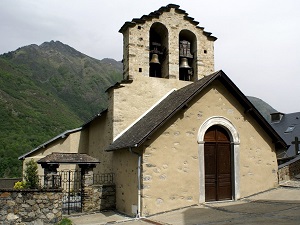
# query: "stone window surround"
{"type": "Point", "coordinates": [235, 148]}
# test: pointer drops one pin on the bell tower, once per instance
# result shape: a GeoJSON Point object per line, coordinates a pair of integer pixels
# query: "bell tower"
{"type": "Point", "coordinates": [162, 52]}
{"type": "Point", "coordinates": [167, 44]}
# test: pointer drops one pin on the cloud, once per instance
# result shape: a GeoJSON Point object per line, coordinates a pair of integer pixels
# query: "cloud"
{"type": "Point", "coordinates": [258, 41]}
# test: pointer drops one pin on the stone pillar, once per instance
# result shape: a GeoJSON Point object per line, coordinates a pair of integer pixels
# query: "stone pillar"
{"type": "Point", "coordinates": [87, 187]}
{"type": "Point", "coordinates": [51, 179]}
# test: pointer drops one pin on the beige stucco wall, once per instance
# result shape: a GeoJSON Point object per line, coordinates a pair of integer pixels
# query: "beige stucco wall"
{"type": "Point", "coordinates": [128, 103]}
{"type": "Point", "coordinates": [76, 142]}
{"type": "Point", "coordinates": [99, 138]}
{"type": "Point", "coordinates": [136, 47]}
{"type": "Point", "coordinates": [125, 168]}
{"type": "Point", "coordinates": [171, 158]}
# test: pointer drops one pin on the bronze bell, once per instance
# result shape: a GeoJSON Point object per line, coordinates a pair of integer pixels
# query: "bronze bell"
{"type": "Point", "coordinates": [184, 63]}
{"type": "Point", "coordinates": [155, 59]}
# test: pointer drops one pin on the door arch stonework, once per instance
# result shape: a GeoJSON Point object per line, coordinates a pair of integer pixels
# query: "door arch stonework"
{"type": "Point", "coordinates": [235, 145]}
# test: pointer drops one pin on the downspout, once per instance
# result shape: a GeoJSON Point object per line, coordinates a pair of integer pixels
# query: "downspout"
{"type": "Point", "coordinates": [138, 214]}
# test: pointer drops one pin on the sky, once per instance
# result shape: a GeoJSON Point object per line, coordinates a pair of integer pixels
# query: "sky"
{"type": "Point", "coordinates": [258, 44]}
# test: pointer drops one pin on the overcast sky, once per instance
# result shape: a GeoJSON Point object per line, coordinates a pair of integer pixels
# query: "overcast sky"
{"type": "Point", "coordinates": [258, 44]}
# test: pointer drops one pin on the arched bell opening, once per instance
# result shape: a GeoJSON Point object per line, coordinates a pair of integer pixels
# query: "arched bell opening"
{"type": "Point", "coordinates": [187, 55]}
{"type": "Point", "coordinates": [158, 57]}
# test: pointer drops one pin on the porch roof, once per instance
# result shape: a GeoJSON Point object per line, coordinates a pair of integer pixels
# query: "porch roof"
{"type": "Point", "coordinates": [68, 158]}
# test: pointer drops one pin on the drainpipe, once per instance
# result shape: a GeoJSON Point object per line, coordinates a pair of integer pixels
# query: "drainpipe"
{"type": "Point", "coordinates": [138, 215]}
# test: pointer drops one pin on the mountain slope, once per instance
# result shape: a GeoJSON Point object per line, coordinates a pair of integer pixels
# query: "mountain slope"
{"type": "Point", "coordinates": [45, 90]}
{"type": "Point", "coordinates": [264, 108]}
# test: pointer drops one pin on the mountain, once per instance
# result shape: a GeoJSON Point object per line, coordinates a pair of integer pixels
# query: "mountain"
{"type": "Point", "coordinates": [45, 90]}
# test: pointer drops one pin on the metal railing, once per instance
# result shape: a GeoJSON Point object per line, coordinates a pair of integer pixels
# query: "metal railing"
{"type": "Point", "coordinates": [103, 178]}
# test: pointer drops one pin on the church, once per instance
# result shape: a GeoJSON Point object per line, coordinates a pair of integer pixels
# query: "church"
{"type": "Point", "coordinates": [176, 133]}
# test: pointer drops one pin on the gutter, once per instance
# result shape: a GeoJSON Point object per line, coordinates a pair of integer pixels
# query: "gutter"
{"type": "Point", "coordinates": [62, 135]}
{"type": "Point", "coordinates": [138, 213]}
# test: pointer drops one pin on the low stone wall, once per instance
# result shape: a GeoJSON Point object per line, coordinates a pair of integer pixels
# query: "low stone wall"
{"type": "Point", "coordinates": [288, 170]}
{"type": "Point", "coordinates": [99, 197]}
{"type": "Point", "coordinates": [28, 207]}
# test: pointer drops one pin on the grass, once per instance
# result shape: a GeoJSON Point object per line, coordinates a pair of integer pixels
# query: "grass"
{"type": "Point", "coordinates": [65, 221]}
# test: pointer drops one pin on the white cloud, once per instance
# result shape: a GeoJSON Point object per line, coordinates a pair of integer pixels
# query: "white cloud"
{"type": "Point", "coordinates": [258, 40]}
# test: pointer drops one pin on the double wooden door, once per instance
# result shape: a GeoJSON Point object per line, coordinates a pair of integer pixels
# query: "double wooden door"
{"type": "Point", "coordinates": [218, 170]}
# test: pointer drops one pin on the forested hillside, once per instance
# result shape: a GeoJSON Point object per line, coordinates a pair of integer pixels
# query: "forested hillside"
{"type": "Point", "coordinates": [45, 90]}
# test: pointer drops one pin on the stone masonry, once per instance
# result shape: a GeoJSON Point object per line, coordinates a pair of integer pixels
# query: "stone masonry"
{"type": "Point", "coordinates": [289, 170]}
{"type": "Point", "coordinates": [136, 45]}
{"type": "Point", "coordinates": [99, 197]}
{"type": "Point", "coordinates": [28, 207]}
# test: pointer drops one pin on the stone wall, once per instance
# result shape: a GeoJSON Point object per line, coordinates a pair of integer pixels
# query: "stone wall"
{"type": "Point", "coordinates": [288, 170]}
{"type": "Point", "coordinates": [99, 197]}
{"type": "Point", "coordinates": [28, 207]}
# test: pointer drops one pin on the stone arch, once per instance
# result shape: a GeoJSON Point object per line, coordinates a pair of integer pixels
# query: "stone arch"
{"type": "Point", "coordinates": [187, 35]}
{"type": "Point", "coordinates": [158, 43]}
{"type": "Point", "coordinates": [235, 146]}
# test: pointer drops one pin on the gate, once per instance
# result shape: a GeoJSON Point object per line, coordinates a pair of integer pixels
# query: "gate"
{"type": "Point", "coordinates": [71, 184]}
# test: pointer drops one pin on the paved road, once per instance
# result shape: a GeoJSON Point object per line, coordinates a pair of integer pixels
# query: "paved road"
{"type": "Point", "coordinates": [278, 206]}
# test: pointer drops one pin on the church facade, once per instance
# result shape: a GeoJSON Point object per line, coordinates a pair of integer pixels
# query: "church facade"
{"type": "Point", "coordinates": [175, 133]}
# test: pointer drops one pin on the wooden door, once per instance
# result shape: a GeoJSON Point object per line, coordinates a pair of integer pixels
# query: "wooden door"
{"type": "Point", "coordinates": [217, 160]}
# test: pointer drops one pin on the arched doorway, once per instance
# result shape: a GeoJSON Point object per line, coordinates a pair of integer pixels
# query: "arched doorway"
{"type": "Point", "coordinates": [235, 154]}
{"type": "Point", "coordinates": [218, 165]}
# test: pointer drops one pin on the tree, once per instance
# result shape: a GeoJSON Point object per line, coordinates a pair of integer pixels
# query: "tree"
{"type": "Point", "coordinates": [31, 175]}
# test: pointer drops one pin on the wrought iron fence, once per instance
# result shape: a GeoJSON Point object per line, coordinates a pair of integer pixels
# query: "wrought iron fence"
{"type": "Point", "coordinates": [103, 178]}
{"type": "Point", "coordinates": [70, 181]}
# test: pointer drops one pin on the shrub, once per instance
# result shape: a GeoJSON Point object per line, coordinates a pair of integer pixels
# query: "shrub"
{"type": "Point", "coordinates": [31, 175]}
{"type": "Point", "coordinates": [20, 185]}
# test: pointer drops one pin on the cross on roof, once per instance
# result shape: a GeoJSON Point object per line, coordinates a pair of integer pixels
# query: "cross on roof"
{"type": "Point", "coordinates": [296, 143]}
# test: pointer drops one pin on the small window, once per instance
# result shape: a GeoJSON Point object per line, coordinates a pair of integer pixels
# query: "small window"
{"type": "Point", "coordinates": [140, 70]}
{"type": "Point", "coordinates": [139, 27]}
{"type": "Point", "coordinates": [289, 129]}
{"type": "Point", "coordinates": [205, 51]}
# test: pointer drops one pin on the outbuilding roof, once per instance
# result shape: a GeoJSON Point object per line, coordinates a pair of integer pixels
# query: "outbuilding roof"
{"type": "Point", "coordinates": [147, 125]}
{"type": "Point", "coordinates": [62, 135]}
{"type": "Point", "coordinates": [160, 11]}
{"type": "Point", "coordinates": [69, 158]}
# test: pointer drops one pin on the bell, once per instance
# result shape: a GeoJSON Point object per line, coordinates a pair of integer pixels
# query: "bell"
{"type": "Point", "coordinates": [184, 63]}
{"type": "Point", "coordinates": [155, 59]}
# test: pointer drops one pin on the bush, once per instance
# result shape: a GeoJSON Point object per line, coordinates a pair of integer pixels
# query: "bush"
{"type": "Point", "coordinates": [20, 185]}
{"type": "Point", "coordinates": [31, 175]}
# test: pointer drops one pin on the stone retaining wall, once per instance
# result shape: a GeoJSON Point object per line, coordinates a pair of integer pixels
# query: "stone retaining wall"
{"type": "Point", "coordinates": [99, 197]}
{"type": "Point", "coordinates": [288, 170]}
{"type": "Point", "coordinates": [30, 207]}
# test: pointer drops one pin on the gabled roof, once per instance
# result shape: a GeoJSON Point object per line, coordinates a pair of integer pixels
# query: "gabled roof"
{"type": "Point", "coordinates": [160, 114]}
{"type": "Point", "coordinates": [160, 11]}
{"type": "Point", "coordinates": [288, 128]}
{"type": "Point", "coordinates": [62, 135]}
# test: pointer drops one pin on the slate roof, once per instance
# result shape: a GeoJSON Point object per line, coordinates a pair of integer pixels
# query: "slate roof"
{"type": "Point", "coordinates": [70, 158]}
{"type": "Point", "coordinates": [160, 11]}
{"type": "Point", "coordinates": [288, 120]}
{"type": "Point", "coordinates": [161, 113]}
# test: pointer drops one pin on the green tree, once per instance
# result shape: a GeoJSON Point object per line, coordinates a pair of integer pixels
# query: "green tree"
{"type": "Point", "coordinates": [31, 175]}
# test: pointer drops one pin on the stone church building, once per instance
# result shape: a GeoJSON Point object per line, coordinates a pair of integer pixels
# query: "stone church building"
{"type": "Point", "coordinates": [175, 133]}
